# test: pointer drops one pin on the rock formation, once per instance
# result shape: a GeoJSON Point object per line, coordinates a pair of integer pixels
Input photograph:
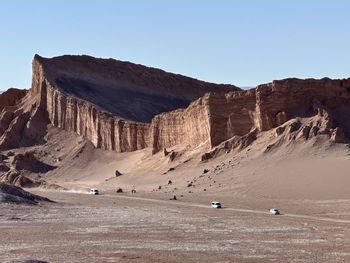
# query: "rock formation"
{"type": "Point", "coordinates": [12, 168]}
{"type": "Point", "coordinates": [122, 106]}
{"type": "Point", "coordinates": [217, 117]}
{"type": "Point", "coordinates": [108, 101]}
{"type": "Point", "coordinates": [29, 162]}
{"type": "Point", "coordinates": [13, 194]}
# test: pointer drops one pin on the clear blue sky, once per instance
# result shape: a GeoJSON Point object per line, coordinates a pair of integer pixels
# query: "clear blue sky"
{"type": "Point", "coordinates": [242, 42]}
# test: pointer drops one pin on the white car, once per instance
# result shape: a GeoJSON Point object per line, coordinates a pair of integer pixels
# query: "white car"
{"type": "Point", "coordinates": [215, 204]}
{"type": "Point", "coordinates": [94, 191]}
{"type": "Point", "coordinates": [274, 211]}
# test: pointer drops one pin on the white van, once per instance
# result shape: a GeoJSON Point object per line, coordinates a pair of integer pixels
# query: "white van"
{"type": "Point", "coordinates": [94, 191]}
{"type": "Point", "coordinates": [215, 204]}
{"type": "Point", "coordinates": [274, 211]}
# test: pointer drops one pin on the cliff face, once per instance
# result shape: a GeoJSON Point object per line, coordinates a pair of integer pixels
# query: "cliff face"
{"type": "Point", "coordinates": [217, 117]}
{"type": "Point", "coordinates": [231, 114]}
{"type": "Point", "coordinates": [282, 100]}
{"type": "Point", "coordinates": [190, 126]}
{"type": "Point", "coordinates": [126, 90]}
{"type": "Point", "coordinates": [103, 129]}
{"type": "Point", "coordinates": [122, 107]}
{"type": "Point", "coordinates": [104, 100]}
{"type": "Point", "coordinates": [210, 120]}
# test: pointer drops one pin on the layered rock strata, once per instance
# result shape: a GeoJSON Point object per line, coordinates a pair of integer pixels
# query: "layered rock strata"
{"type": "Point", "coordinates": [282, 100]}
{"type": "Point", "coordinates": [104, 88]}
{"type": "Point", "coordinates": [217, 117]}
{"type": "Point", "coordinates": [123, 107]}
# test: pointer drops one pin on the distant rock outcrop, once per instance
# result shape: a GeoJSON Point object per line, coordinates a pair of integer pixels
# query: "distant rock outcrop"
{"type": "Point", "coordinates": [14, 169]}
{"type": "Point", "coordinates": [14, 177]}
{"type": "Point", "coordinates": [13, 194]}
{"type": "Point", "coordinates": [28, 161]}
{"type": "Point", "coordinates": [22, 122]}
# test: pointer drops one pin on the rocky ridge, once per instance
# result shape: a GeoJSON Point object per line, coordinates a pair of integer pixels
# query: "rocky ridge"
{"type": "Point", "coordinates": [97, 111]}
{"type": "Point", "coordinates": [122, 107]}
{"type": "Point", "coordinates": [13, 194]}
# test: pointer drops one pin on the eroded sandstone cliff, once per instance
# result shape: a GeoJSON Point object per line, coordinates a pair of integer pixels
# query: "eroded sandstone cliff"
{"type": "Point", "coordinates": [282, 100]}
{"type": "Point", "coordinates": [218, 117]}
{"type": "Point", "coordinates": [21, 120]}
{"type": "Point", "coordinates": [122, 107]}
{"type": "Point", "coordinates": [105, 100]}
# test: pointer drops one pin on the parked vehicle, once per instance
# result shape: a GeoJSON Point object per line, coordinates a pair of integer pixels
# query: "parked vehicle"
{"type": "Point", "coordinates": [215, 204]}
{"type": "Point", "coordinates": [94, 191]}
{"type": "Point", "coordinates": [274, 211]}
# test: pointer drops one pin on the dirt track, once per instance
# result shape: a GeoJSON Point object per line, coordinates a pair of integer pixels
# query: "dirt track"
{"type": "Point", "coordinates": [305, 217]}
{"type": "Point", "coordinates": [110, 228]}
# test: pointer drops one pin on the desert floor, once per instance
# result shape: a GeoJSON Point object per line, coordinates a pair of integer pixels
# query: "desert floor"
{"type": "Point", "coordinates": [308, 182]}
{"type": "Point", "coordinates": [123, 228]}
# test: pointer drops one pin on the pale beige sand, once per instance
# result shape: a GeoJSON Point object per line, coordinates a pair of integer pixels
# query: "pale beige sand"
{"type": "Point", "coordinates": [112, 228]}
{"type": "Point", "coordinates": [307, 181]}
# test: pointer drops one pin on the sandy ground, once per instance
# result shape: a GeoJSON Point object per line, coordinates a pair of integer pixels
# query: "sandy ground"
{"type": "Point", "coordinates": [307, 170]}
{"type": "Point", "coordinates": [307, 180]}
{"type": "Point", "coordinates": [114, 228]}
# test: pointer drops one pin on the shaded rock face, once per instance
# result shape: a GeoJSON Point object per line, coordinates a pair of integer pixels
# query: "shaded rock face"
{"type": "Point", "coordinates": [129, 91]}
{"type": "Point", "coordinates": [14, 169]}
{"type": "Point", "coordinates": [14, 177]}
{"type": "Point", "coordinates": [320, 124]}
{"type": "Point", "coordinates": [236, 142]}
{"type": "Point", "coordinates": [22, 123]}
{"type": "Point", "coordinates": [10, 97]}
{"type": "Point", "coordinates": [13, 194]}
{"type": "Point", "coordinates": [29, 162]}
{"type": "Point", "coordinates": [104, 100]}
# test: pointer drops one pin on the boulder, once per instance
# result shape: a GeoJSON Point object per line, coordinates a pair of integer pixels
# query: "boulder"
{"type": "Point", "coordinates": [166, 152]}
{"type": "Point", "coordinates": [280, 130]}
{"type": "Point", "coordinates": [294, 126]}
{"type": "Point", "coordinates": [117, 173]}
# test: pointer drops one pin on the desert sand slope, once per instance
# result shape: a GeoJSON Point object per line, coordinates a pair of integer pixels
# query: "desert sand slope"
{"type": "Point", "coordinates": [316, 169]}
{"type": "Point", "coordinates": [78, 125]}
